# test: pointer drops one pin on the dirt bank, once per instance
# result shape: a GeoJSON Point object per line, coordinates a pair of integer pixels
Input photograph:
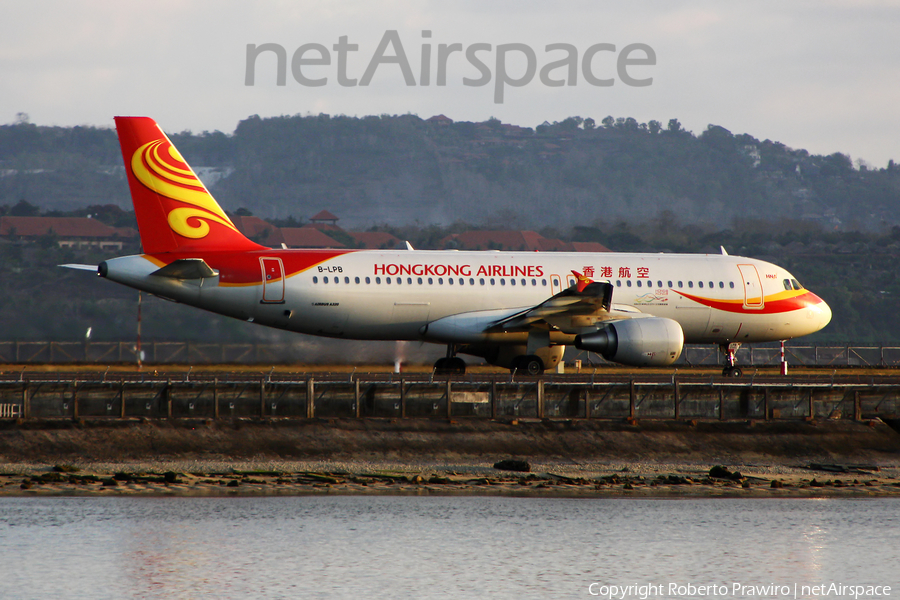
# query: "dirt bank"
{"type": "Point", "coordinates": [441, 440]}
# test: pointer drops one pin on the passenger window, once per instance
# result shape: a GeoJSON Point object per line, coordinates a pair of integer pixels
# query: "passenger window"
{"type": "Point", "coordinates": [618, 283]}
{"type": "Point", "coordinates": [378, 280]}
{"type": "Point", "coordinates": [534, 282]}
{"type": "Point", "coordinates": [409, 280]}
{"type": "Point", "coordinates": [315, 280]}
{"type": "Point", "coordinates": [544, 282]}
{"type": "Point", "coordinates": [493, 281]}
{"type": "Point", "coordinates": [502, 282]}
{"type": "Point", "coordinates": [324, 280]}
{"type": "Point", "coordinates": [346, 280]}
{"type": "Point", "coordinates": [387, 280]}
{"type": "Point", "coordinates": [481, 281]}
{"type": "Point", "coordinates": [472, 281]}
{"type": "Point", "coordinates": [368, 280]}
{"type": "Point", "coordinates": [700, 284]}
{"type": "Point", "coordinates": [512, 282]}
{"type": "Point", "coordinates": [524, 282]}
{"type": "Point", "coordinates": [721, 285]}
{"type": "Point", "coordinates": [450, 280]}
{"type": "Point", "coordinates": [711, 285]}
{"type": "Point", "coordinates": [731, 284]}
{"type": "Point", "coordinates": [690, 284]}
{"type": "Point", "coordinates": [669, 282]}
{"type": "Point", "coordinates": [440, 281]}
{"type": "Point", "coordinates": [430, 281]}
{"type": "Point", "coordinates": [420, 281]}
{"type": "Point", "coordinates": [462, 281]}
{"type": "Point", "coordinates": [628, 282]}
{"type": "Point", "coordinates": [357, 279]}
{"type": "Point", "coordinates": [680, 285]}
{"type": "Point", "coordinates": [639, 283]}
{"type": "Point", "coordinates": [659, 284]}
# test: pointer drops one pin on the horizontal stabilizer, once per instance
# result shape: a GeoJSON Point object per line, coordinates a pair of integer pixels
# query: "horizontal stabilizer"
{"type": "Point", "coordinates": [80, 267]}
{"type": "Point", "coordinates": [187, 268]}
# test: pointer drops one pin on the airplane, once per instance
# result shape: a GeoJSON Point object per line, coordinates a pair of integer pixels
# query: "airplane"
{"type": "Point", "coordinates": [517, 310]}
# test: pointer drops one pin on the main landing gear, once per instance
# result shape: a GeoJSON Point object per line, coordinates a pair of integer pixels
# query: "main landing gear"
{"type": "Point", "coordinates": [731, 370]}
{"type": "Point", "coordinates": [450, 364]}
{"type": "Point", "coordinates": [528, 364]}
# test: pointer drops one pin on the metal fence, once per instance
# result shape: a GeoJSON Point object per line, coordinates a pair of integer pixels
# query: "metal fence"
{"type": "Point", "coordinates": [106, 353]}
{"type": "Point", "coordinates": [491, 398]}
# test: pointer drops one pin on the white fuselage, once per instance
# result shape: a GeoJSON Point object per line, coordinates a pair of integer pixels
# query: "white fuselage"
{"type": "Point", "coordinates": [395, 295]}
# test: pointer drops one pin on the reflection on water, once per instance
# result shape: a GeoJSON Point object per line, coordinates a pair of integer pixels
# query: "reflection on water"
{"type": "Point", "coordinates": [424, 547]}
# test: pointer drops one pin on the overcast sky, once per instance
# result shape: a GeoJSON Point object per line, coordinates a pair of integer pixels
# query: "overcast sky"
{"type": "Point", "coordinates": [819, 75]}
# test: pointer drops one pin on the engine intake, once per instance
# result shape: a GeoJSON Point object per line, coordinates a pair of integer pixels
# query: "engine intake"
{"type": "Point", "coordinates": [651, 341]}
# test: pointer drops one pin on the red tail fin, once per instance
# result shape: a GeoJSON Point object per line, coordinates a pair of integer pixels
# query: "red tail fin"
{"type": "Point", "coordinates": [175, 212]}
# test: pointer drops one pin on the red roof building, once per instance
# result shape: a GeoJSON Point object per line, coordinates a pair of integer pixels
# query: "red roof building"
{"type": "Point", "coordinates": [308, 237]}
{"type": "Point", "coordinates": [69, 232]}
{"type": "Point", "coordinates": [375, 240]}
{"type": "Point", "coordinates": [516, 240]}
{"type": "Point", "coordinates": [259, 231]}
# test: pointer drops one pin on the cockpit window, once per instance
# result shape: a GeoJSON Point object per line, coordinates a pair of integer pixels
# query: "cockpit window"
{"type": "Point", "coordinates": [787, 284]}
{"type": "Point", "coordinates": [797, 285]}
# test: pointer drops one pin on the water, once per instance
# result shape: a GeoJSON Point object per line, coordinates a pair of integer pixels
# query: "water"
{"type": "Point", "coordinates": [437, 547]}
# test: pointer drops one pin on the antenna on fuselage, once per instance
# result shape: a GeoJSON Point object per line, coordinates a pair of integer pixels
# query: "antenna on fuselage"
{"type": "Point", "coordinates": [409, 246]}
{"type": "Point", "coordinates": [724, 252]}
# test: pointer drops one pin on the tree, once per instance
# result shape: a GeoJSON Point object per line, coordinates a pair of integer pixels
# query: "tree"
{"type": "Point", "coordinates": [24, 209]}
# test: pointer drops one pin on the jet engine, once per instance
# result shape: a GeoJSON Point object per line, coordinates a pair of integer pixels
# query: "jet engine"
{"type": "Point", "coordinates": [650, 341]}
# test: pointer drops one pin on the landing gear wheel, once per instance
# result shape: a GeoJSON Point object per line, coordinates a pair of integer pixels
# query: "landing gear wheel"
{"type": "Point", "coordinates": [733, 372]}
{"type": "Point", "coordinates": [450, 366]}
{"type": "Point", "coordinates": [529, 365]}
{"type": "Point", "coordinates": [729, 350]}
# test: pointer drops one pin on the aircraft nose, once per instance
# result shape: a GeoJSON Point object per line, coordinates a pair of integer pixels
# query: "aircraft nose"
{"type": "Point", "coordinates": [819, 313]}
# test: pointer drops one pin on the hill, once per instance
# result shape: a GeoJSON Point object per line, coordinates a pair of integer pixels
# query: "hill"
{"type": "Point", "coordinates": [399, 170]}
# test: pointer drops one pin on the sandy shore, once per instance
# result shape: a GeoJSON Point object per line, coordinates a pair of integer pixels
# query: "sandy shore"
{"type": "Point", "coordinates": [546, 479]}
{"type": "Point", "coordinates": [835, 458]}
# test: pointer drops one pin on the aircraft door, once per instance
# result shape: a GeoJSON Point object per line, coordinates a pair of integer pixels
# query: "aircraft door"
{"type": "Point", "coordinates": [753, 292]}
{"type": "Point", "coordinates": [273, 280]}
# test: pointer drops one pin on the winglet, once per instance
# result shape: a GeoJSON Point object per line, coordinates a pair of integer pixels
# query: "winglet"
{"type": "Point", "coordinates": [581, 281]}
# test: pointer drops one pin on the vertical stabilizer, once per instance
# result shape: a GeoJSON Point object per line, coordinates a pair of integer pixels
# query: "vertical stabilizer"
{"type": "Point", "coordinates": [175, 212]}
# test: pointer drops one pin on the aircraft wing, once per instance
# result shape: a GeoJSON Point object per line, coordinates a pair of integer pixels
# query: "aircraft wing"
{"type": "Point", "coordinates": [586, 298]}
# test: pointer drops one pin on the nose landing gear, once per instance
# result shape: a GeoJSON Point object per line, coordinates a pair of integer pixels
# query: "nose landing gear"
{"type": "Point", "coordinates": [450, 364]}
{"type": "Point", "coordinates": [731, 370]}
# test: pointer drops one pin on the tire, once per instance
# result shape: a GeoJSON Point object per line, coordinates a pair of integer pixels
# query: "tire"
{"type": "Point", "coordinates": [531, 365]}
{"type": "Point", "coordinates": [456, 365]}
